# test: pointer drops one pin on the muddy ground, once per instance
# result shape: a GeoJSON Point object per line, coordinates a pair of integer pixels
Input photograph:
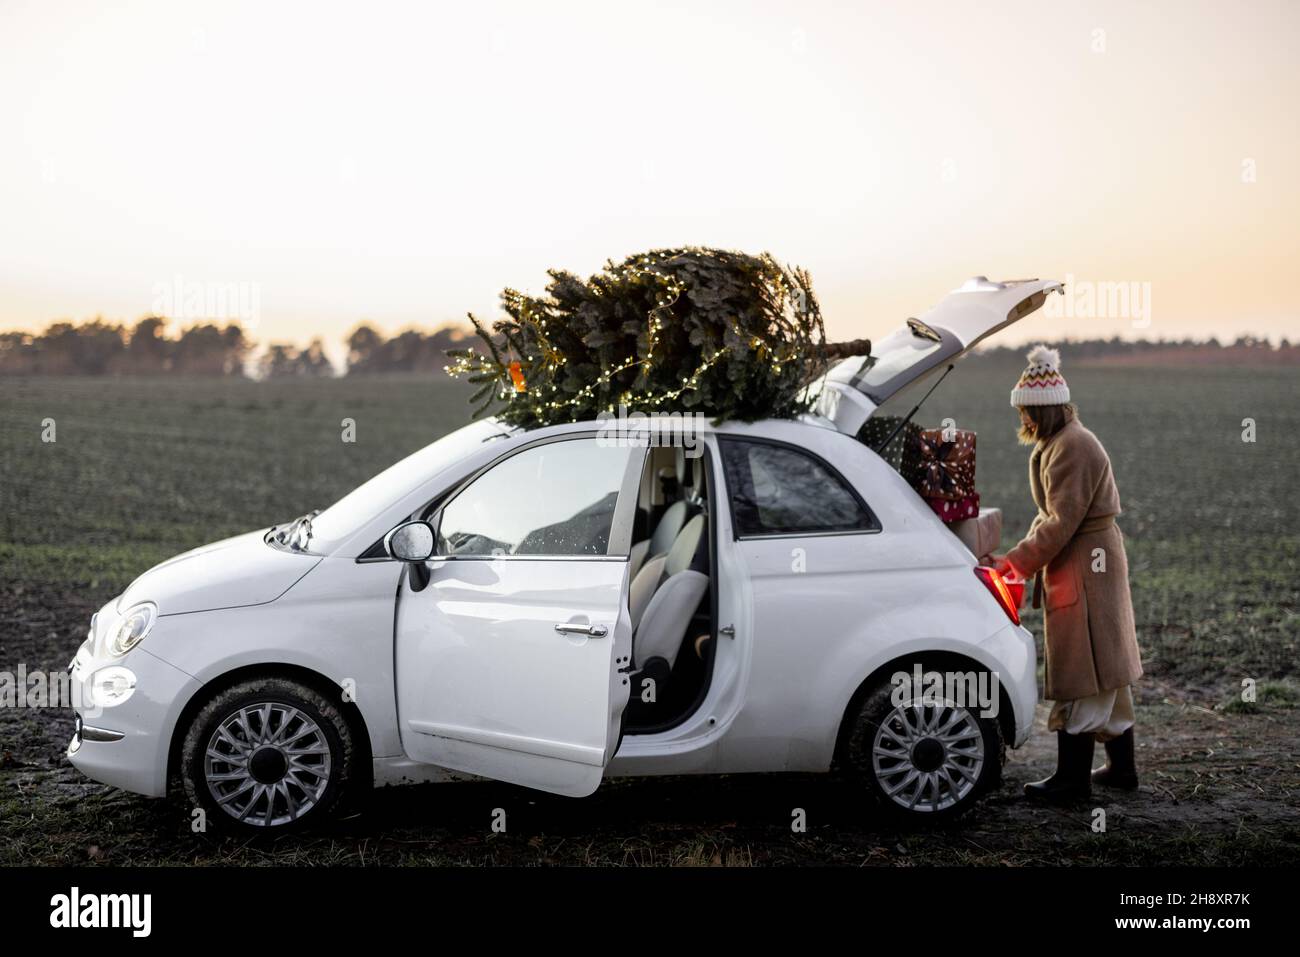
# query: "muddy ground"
{"type": "Point", "coordinates": [1219, 787]}
{"type": "Point", "coordinates": [145, 468]}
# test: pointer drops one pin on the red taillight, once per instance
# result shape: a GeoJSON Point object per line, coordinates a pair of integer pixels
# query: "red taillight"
{"type": "Point", "coordinates": [1017, 589]}
{"type": "Point", "coordinates": [999, 589]}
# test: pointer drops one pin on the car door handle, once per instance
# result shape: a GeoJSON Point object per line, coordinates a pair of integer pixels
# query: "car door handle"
{"type": "Point", "coordinates": [592, 631]}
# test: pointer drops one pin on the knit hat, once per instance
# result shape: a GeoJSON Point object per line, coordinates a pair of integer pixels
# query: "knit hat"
{"type": "Point", "coordinates": [1041, 383]}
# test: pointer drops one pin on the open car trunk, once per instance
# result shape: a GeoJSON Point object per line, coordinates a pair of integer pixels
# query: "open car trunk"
{"type": "Point", "coordinates": [855, 387]}
{"type": "Point", "coordinates": [851, 391]}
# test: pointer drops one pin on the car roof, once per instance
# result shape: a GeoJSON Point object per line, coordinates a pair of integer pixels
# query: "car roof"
{"type": "Point", "coordinates": [790, 428]}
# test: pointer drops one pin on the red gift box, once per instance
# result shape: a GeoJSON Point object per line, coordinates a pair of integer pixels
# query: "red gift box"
{"type": "Point", "coordinates": [947, 464]}
{"type": "Point", "coordinates": [955, 510]}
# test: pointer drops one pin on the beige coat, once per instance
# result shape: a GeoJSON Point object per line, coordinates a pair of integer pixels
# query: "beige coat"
{"type": "Point", "coordinates": [1090, 638]}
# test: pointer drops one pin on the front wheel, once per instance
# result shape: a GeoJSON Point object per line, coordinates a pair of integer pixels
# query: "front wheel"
{"type": "Point", "coordinates": [268, 755]}
{"type": "Point", "coordinates": [925, 759]}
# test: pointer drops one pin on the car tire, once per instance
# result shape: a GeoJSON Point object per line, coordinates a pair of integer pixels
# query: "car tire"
{"type": "Point", "coordinates": [267, 756]}
{"type": "Point", "coordinates": [923, 777]}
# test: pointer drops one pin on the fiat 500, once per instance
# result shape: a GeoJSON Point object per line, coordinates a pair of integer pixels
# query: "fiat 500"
{"type": "Point", "coordinates": [550, 607]}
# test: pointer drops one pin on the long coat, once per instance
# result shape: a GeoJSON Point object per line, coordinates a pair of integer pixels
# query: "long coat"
{"type": "Point", "coordinates": [1090, 638]}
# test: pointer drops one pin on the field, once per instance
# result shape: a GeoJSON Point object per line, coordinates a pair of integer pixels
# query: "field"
{"type": "Point", "coordinates": [143, 468]}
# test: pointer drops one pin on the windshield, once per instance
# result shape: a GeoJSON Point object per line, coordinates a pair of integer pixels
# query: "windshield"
{"type": "Point", "coordinates": [346, 516]}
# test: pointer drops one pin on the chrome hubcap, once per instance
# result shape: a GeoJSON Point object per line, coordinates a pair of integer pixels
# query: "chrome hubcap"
{"type": "Point", "coordinates": [928, 756]}
{"type": "Point", "coordinates": [267, 764]}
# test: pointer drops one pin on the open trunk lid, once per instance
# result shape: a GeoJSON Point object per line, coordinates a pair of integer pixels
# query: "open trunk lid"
{"type": "Point", "coordinates": [855, 387]}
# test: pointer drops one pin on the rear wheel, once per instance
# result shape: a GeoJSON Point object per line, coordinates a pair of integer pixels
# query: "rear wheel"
{"type": "Point", "coordinates": [268, 755]}
{"type": "Point", "coordinates": [924, 759]}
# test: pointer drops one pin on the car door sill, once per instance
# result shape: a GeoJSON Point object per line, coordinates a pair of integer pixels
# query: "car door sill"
{"type": "Point", "coordinates": [578, 754]}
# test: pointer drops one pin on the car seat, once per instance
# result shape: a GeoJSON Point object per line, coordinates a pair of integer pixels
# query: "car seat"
{"type": "Point", "coordinates": [671, 522]}
{"type": "Point", "coordinates": [665, 594]}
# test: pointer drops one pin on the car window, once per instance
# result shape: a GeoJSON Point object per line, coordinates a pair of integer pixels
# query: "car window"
{"type": "Point", "coordinates": [892, 357]}
{"type": "Point", "coordinates": [779, 490]}
{"type": "Point", "coordinates": [554, 499]}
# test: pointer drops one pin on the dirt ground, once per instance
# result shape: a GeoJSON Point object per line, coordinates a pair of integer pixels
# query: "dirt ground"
{"type": "Point", "coordinates": [1219, 788]}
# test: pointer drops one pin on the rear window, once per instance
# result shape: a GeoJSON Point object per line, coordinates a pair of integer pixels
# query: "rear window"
{"type": "Point", "coordinates": [899, 359]}
{"type": "Point", "coordinates": [892, 357]}
{"type": "Point", "coordinates": [780, 490]}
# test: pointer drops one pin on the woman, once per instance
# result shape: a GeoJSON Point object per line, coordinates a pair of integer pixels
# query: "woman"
{"type": "Point", "coordinates": [1090, 641]}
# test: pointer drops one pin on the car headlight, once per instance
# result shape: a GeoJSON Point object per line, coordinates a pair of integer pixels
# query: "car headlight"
{"type": "Point", "coordinates": [132, 628]}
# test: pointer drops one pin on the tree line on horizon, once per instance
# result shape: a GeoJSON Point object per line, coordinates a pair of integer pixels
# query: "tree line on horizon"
{"type": "Point", "coordinates": [99, 347]}
{"type": "Point", "coordinates": [1115, 346]}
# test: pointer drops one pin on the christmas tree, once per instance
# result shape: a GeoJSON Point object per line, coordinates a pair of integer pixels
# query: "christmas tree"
{"type": "Point", "coordinates": [693, 329]}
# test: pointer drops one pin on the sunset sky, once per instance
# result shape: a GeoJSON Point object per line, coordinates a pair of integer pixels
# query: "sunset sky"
{"type": "Point", "coordinates": [401, 163]}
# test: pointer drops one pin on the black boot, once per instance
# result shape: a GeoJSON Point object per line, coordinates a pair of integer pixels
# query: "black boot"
{"type": "Point", "coordinates": [1072, 780]}
{"type": "Point", "coordinates": [1121, 767]}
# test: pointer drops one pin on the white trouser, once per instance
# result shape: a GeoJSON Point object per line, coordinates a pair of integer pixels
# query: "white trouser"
{"type": "Point", "coordinates": [1108, 714]}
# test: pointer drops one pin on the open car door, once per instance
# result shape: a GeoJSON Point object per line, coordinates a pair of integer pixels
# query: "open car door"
{"type": "Point", "coordinates": [513, 641]}
{"type": "Point", "coordinates": [855, 387]}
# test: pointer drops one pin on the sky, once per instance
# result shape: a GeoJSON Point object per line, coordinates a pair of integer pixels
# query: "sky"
{"type": "Point", "coordinates": [309, 166]}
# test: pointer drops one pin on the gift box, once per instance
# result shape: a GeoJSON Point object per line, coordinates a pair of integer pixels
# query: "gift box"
{"type": "Point", "coordinates": [981, 534]}
{"type": "Point", "coordinates": [955, 510]}
{"type": "Point", "coordinates": [947, 463]}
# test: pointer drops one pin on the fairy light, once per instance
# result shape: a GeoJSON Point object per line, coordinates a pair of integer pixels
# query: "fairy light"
{"type": "Point", "coordinates": [644, 268]}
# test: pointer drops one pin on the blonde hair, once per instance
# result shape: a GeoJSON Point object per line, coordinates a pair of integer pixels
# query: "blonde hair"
{"type": "Point", "coordinates": [1047, 419]}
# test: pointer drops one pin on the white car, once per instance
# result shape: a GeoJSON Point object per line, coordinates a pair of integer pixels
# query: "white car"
{"type": "Point", "coordinates": [553, 606]}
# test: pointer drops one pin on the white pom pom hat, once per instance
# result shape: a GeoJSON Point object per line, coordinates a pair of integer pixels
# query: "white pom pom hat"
{"type": "Point", "coordinates": [1041, 383]}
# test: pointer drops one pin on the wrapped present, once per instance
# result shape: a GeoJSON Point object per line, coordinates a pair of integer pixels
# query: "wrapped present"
{"type": "Point", "coordinates": [981, 534]}
{"type": "Point", "coordinates": [947, 467]}
{"type": "Point", "coordinates": [955, 509]}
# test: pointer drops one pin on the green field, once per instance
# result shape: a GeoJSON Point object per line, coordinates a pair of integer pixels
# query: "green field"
{"type": "Point", "coordinates": [144, 468]}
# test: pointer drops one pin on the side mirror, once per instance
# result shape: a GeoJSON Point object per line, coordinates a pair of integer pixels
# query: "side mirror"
{"type": "Point", "coordinates": [410, 542]}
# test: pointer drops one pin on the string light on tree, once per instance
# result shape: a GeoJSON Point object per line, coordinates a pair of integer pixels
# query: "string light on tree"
{"type": "Point", "coordinates": [723, 333]}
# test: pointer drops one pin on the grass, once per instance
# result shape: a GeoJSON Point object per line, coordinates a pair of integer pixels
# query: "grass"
{"type": "Point", "coordinates": [144, 468]}
{"type": "Point", "coordinates": [1268, 695]}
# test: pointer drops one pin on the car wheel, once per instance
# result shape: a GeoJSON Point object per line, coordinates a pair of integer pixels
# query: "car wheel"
{"type": "Point", "coordinates": [924, 759]}
{"type": "Point", "coordinates": [268, 755]}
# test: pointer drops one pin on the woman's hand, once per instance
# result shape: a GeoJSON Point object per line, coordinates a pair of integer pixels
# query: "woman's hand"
{"type": "Point", "coordinates": [1002, 566]}
{"type": "Point", "coordinates": [1005, 568]}
{"type": "Point", "coordinates": [1014, 581]}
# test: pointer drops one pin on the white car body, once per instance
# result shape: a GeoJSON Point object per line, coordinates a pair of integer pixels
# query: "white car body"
{"type": "Point", "coordinates": [468, 676]}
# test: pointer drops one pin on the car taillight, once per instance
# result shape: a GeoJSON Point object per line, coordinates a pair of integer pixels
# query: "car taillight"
{"type": "Point", "coordinates": [999, 589]}
{"type": "Point", "coordinates": [1017, 589]}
